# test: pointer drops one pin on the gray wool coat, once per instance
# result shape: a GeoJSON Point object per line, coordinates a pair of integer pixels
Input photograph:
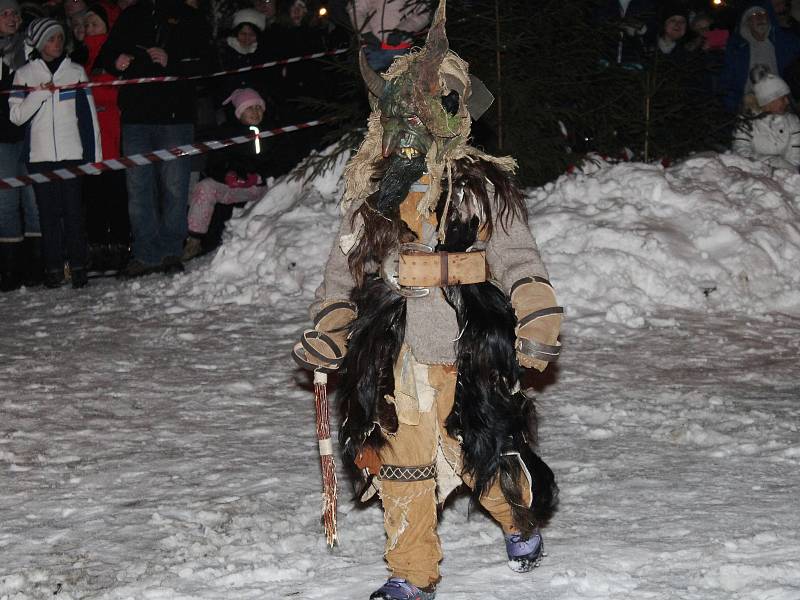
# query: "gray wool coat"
{"type": "Point", "coordinates": [431, 326]}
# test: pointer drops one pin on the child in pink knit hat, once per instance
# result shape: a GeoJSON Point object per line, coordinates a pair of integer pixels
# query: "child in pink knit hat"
{"type": "Point", "coordinates": [234, 175]}
{"type": "Point", "coordinates": [244, 99]}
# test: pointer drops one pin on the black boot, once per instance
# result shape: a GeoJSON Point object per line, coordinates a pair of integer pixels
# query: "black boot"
{"type": "Point", "coordinates": [98, 258]}
{"type": "Point", "coordinates": [193, 246]}
{"type": "Point", "coordinates": [10, 266]}
{"type": "Point", "coordinates": [54, 279]}
{"type": "Point", "coordinates": [34, 265]}
{"type": "Point", "coordinates": [119, 256]}
{"type": "Point", "coordinates": [79, 278]}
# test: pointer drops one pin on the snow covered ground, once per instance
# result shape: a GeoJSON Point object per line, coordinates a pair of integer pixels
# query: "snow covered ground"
{"type": "Point", "coordinates": [157, 441]}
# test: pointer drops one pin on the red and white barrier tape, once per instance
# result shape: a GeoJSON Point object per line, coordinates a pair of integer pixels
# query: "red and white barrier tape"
{"type": "Point", "coordinates": [166, 78]}
{"type": "Point", "coordinates": [138, 160]}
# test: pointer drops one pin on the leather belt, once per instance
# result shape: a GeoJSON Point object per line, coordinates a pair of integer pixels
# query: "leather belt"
{"type": "Point", "coordinates": [414, 268]}
{"type": "Point", "coordinates": [439, 269]}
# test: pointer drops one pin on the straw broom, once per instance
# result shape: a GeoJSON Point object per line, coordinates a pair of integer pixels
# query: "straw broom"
{"type": "Point", "coordinates": [326, 457]}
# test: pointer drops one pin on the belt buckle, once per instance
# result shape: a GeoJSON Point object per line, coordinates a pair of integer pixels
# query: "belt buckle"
{"type": "Point", "coordinates": [391, 265]}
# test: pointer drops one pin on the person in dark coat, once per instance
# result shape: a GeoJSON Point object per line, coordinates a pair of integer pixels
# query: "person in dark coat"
{"type": "Point", "coordinates": [759, 41]}
{"type": "Point", "coordinates": [670, 43]}
{"type": "Point", "coordinates": [296, 34]}
{"type": "Point", "coordinates": [152, 38]}
{"type": "Point", "coordinates": [105, 197]}
{"type": "Point", "coordinates": [243, 47]}
{"type": "Point", "coordinates": [386, 28]}
{"type": "Point", "coordinates": [633, 26]}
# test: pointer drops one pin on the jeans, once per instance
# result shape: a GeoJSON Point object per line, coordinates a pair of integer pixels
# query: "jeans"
{"type": "Point", "coordinates": [158, 194]}
{"type": "Point", "coordinates": [105, 200]}
{"type": "Point", "coordinates": [380, 59]}
{"type": "Point", "coordinates": [18, 211]}
{"type": "Point", "coordinates": [61, 216]}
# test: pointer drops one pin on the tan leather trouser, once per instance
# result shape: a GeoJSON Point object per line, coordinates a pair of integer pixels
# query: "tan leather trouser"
{"type": "Point", "coordinates": [413, 550]}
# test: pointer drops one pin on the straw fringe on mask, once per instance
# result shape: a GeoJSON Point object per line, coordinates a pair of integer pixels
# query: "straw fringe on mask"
{"type": "Point", "coordinates": [358, 174]}
{"type": "Point", "coordinates": [451, 132]}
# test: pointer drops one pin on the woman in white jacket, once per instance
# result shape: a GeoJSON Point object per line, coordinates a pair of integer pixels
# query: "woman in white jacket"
{"type": "Point", "coordinates": [768, 130]}
{"type": "Point", "coordinates": [61, 131]}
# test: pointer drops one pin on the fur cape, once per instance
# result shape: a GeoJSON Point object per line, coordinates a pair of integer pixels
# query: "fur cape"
{"type": "Point", "coordinates": [494, 420]}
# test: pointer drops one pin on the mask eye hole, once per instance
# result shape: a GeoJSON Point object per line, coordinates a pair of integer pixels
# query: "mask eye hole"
{"type": "Point", "coordinates": [450, 102]}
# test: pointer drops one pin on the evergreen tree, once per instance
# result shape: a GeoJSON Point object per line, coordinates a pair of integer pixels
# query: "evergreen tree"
{"type": "Point", "coordinates": [540, 59]}
{"type": "Point", "coordinates": [557, 95]}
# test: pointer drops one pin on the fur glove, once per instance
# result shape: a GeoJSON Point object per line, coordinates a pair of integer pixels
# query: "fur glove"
{"type": "Point", "coordinates": [326, 344]}
{"type": "Point", "coordinates": [538, 322]}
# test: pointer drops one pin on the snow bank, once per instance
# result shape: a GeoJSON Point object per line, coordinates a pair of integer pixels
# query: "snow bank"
{"type": "Point", "coordinates": [715, 233]}
{"type": "Point", "coordinates": [274, 249]}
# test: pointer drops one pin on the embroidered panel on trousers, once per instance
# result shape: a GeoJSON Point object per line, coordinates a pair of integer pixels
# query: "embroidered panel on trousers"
{"type": "Point", "coordinates": [397, 473]}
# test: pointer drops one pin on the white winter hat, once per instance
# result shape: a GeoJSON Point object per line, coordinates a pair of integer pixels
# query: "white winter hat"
{"type": "Point", "coordinates": [769, 88]}
{"type": "Point", "coordinates": [250, 16]}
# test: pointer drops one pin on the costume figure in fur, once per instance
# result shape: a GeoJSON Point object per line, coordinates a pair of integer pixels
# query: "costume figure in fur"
{"type": "Point", "coordinates": [434, 298]}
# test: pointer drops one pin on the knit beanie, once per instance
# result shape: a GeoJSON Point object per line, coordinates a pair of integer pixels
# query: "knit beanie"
{"type": "Point", "coordinates": [100, 11]}
{"type": "Point", "coordinates": [673, 9]}
{"type": "Point", "coordinates": [250, 16]}
{"type": "Point", "coordinates": [41, 30]}
{"type": "Point", "coordinates": [9, 4]}
{"type": "Point", "coordinates": [244, 98]}
{"type": "Point", "coordinates": [79, 15]}
{"type": "Point", "coordinates": [769, 88]}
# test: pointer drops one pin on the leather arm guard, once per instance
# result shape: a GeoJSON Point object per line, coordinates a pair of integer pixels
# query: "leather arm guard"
{"type": "Point", "coordinates": [323, 348]}
{"type": "Point", "coordinates": [538, 322]}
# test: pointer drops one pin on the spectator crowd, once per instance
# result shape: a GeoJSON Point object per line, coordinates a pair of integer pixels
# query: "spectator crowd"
{"type": "Point", "coordinates": [152, 218]}
{"type": "Point", "coordinates": [743, 58]}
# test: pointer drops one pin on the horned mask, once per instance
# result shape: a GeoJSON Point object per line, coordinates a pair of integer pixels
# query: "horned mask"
{"type": "Point", "coordinates": [422, 105]}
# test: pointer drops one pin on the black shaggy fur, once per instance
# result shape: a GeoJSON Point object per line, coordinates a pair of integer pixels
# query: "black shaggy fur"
{"type": "Point", "coordinates": [367, 373]}
{"type": "Point", "coordinates": [496, 423]}
{"type": "Point", "coordinates": [400, 174]}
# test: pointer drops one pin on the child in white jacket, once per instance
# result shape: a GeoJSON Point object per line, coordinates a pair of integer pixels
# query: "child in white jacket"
{"type": "Point", "coordinates": [769, 131]}
{"type": "Point", "coordinates": [61, 132]}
